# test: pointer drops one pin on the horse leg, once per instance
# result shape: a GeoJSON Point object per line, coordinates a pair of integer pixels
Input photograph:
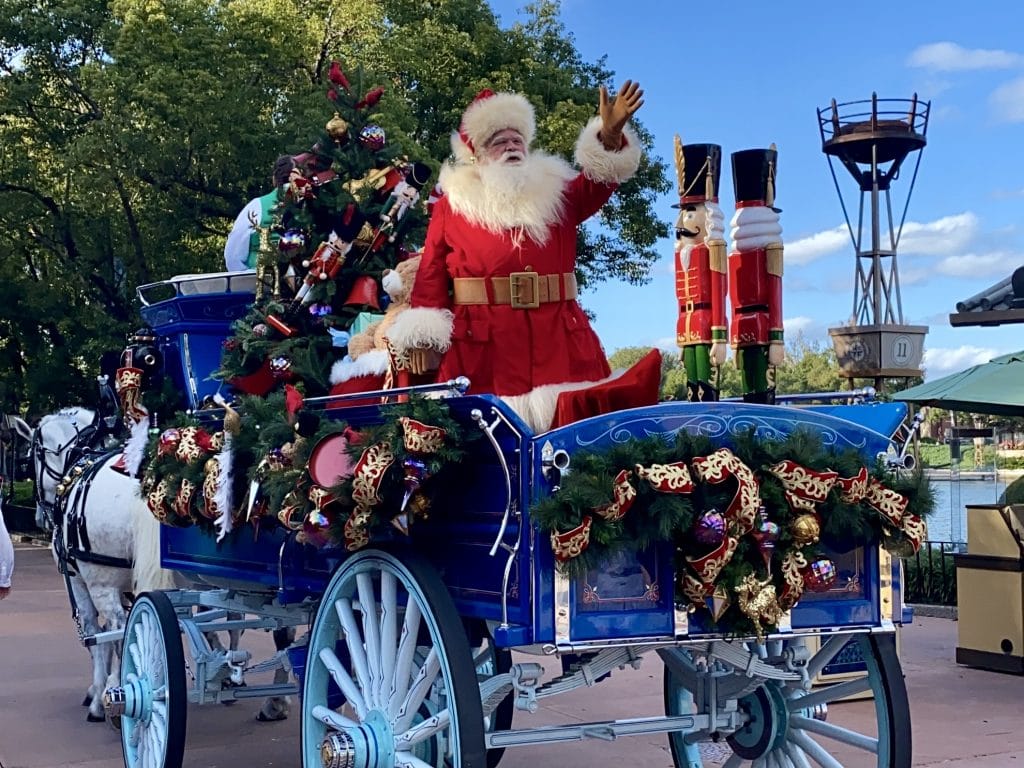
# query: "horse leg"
{"type": "Point", "coordinates": [107, 599]}
{"type": "Point", "coordinates": [277, 707]}
{"type": "Point", "coordinates": [89, 619]}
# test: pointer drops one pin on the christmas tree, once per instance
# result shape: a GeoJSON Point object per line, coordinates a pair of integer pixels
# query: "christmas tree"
{"type": "Point", "coordinates": [341, 221]}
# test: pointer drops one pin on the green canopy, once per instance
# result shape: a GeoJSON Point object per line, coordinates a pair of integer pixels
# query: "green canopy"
{"type": "Point", "coordinates": [995, 387]}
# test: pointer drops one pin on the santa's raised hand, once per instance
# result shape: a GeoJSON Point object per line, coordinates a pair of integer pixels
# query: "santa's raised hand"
{"type": "Point", "coordinates": [615, 113]}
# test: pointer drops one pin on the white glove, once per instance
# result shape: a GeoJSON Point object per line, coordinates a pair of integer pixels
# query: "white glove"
{"type": "Point", "coordinates": [776, 353]}
{"type": "Point", "coordinates": [719, 351]}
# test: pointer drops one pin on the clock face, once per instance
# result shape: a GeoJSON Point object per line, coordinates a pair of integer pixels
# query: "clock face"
{"type": "Point", "coordinates": [857, 351]}
{"type": "Point", "coordinates": [902, 350]}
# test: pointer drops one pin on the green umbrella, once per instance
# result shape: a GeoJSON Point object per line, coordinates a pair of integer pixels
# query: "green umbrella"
{"type": "Point", "coordinates": [995, 387]}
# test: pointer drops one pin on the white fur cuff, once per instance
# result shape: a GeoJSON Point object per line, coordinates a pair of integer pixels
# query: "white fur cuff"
{"type": "Point", "coordinates": [422, 327]}
{"type": "Point", "coordinates": [603, 166]}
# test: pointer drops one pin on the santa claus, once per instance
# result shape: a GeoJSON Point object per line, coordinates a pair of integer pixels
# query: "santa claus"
{"type": "Point", "coordinates": [495, 297]}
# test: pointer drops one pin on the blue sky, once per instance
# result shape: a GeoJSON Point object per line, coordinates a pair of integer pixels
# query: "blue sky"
{"type": "Point", "coordinates": [746, 74]}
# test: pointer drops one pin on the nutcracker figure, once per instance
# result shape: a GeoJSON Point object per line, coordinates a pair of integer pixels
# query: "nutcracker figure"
{"type": "Point", "coordinates": [700, 267]}
{"type": "Point", "coordinates": [755, 273]}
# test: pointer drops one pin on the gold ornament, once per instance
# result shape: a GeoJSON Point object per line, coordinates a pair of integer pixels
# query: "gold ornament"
{"type": "Point", "coordinates": [337, 129]}
{"type": "Point", "coordinates": [805, 530]}
{"type": "Point", "coordinates": [759, 604]}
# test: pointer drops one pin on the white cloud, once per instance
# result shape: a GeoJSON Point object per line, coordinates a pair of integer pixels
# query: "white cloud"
{"type": "Point", "coordinates": [946, 236]}
{"type": "Point", "coordinates": [1007, 194]}
{"type": "Point", "coordinates": [1007, 101]}
{"type": "Point", "coordinates": [980, 264]}
{"type": "Point", "coordinates": [808, 249]}
{"type": "Point", "coordinates": [800, 324]}
{"type": "Point", "coordinates": [941, 361]}
{"type": "Point", "coordinates": [950, 57]}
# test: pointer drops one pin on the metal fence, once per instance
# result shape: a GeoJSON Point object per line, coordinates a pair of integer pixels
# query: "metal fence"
{"type": "Point", "coordinates": [929, 576]}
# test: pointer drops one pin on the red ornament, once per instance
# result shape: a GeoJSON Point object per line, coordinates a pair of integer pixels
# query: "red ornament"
{"type": "Point", "coordinates": [364, 293]}
{"type": "Point", "coordinates": [766, 535]}
{"type": "Point", "coordinates": [292, 401]}
{"type": "Point", "coordinates": [168, 442]}
{"type": "Point", "coordinates": [336, 76]}
{"type": "Point", "coordinates": [230, 345]}
{"type": "Point", "coordinates": [820, 575]}
{"type": "Point", "coordinates": [370, 99]}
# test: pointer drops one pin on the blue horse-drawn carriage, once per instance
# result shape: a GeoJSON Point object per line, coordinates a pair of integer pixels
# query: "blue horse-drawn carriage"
{"type": "Point", "coordinates": [407, 661]}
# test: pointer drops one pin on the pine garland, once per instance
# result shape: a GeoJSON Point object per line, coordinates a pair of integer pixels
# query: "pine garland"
{"type": "Point", "coordinates": [657, 517]}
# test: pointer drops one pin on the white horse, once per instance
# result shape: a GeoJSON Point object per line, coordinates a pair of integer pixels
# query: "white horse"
{"type": "Point", "coordinates": [117, 525]}
{"type": "Point", "coordinates": [106, 542]}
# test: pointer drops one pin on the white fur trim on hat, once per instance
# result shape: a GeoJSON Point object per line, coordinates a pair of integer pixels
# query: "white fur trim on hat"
{"type": "Point", "coordinates": [603, 166]}
{"type": "Point", "coordinates": [422, 327]}
{"type": "Point", "coordinates": [485, 117]}
{"type": "Point", "coordinates": [372, 363]}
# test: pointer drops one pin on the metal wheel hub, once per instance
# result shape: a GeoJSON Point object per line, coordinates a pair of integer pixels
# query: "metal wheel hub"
{"type": "Point", "coordinates": [135, 699]}
{"type": "Point", "coordinates": [371, 745]}
{"type": "Point", "coordinates": [767, 722]}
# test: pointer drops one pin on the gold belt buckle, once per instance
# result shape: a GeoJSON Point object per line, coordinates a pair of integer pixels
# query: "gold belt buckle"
{"type": "Point", "coordinates": [515, 287]}
{"type": "Point", "coordinates": [690, 307]}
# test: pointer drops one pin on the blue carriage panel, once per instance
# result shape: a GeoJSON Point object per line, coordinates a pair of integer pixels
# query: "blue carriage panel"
{"type": "Point", "coordinates": [192, 315]}
{"type": "Point", "coordinates": [883, 418]}
{"type": "Point", "coordinates": [465, 523]}
{"type": "Point", "coordinates": [634, 597]}
{"type": "Point", "coordinates": [268, 560]}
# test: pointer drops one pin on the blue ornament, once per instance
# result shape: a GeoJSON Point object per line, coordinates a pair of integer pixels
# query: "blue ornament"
{"type": "Point", "coordinates": [372, 137]}
{"type": "Point", "coordinates": [292, 240]}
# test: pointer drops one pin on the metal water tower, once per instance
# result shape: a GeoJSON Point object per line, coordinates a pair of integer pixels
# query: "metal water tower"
{"type": "Point", "coordinates": [873, 139]}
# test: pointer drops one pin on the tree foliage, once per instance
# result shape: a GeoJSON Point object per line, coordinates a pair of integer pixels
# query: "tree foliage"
{"type": "Point", "coordinates": [132, 132]}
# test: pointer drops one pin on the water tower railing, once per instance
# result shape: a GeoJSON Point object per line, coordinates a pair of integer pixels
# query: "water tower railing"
{"type": "Point", "coordinates": [838, 118]}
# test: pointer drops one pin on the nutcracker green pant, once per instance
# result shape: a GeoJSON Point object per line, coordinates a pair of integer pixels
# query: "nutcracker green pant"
{"type": "Point", "coordinates": [697, 362]}
{"type": "Point", "coordinates": [753, 365]}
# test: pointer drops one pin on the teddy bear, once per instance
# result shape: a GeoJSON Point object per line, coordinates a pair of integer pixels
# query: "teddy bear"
{"type": "Point", "coordinates": [370, 363]}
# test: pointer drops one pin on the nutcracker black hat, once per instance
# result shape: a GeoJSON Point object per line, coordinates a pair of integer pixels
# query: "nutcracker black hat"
{"type": "Point", "coordinates": [753, 176]}
{"type": "Point", "coordinates": [698, 167]}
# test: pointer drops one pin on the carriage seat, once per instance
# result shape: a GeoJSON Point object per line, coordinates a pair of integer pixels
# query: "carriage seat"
{"type": "Point", "coordinates": [635, 387]}
{"type": "Point", "coordinates": [215, 282]}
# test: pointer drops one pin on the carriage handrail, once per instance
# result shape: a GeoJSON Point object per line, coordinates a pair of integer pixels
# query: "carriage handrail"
{"type": "Point", "coordinates": [459, 384]}
{"type": "Point", "coordinates": [247, 277]}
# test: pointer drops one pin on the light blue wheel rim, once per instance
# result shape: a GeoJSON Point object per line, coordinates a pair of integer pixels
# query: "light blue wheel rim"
{"type": "Point", "coordinates": [327, 630]}
{"type": "Point", "coordinates": [798, 733]}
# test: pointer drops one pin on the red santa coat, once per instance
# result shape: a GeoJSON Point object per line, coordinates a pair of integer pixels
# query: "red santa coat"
{"type": "Point", "coordinates": [503, 349]}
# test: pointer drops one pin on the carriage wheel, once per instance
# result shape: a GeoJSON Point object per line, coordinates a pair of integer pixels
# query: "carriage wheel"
{"type": "Point", "coordinates": [788, 726]}
{"type": "Point", "coordinates": [151, 700]}
{"type": "Point", "coordinates": [398, 711]}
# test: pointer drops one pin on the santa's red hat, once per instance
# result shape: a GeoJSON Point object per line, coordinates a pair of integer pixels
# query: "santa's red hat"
{"type": "Point", "coordinates": [489, 113]}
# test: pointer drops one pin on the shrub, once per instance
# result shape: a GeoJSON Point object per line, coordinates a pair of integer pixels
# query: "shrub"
{"type": "Point", "coordinates": [930, 576]}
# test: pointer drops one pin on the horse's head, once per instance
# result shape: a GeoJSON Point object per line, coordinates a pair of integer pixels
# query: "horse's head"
{"type": "Point", "coordinates": [56, 444]}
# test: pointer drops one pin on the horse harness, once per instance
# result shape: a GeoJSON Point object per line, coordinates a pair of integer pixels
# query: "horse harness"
{"type": "Point", "coordinates": [80, 467]}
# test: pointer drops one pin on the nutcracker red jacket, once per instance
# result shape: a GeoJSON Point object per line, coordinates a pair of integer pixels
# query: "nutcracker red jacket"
{"type": "Point", "coordinates": [505, 349]}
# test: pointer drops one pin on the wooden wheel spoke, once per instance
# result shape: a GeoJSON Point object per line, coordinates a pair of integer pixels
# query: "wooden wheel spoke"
{"type": "Point", "coordinates": [829, 694]}
{"type": "Point", "coordinates": [424, 730]}
{"type": "Point", "coordinates": [814, 750]}
{"type": "Point", "coordinates": [418, 691]}
{"type": "Point", "coordinates": [403, 662]}
{"type": "Point", "coordinates": [344, 681]}
{"type": "Point", "coordinates": [409, 760]}
{"type": "Point", "coordinates": [825, 654]}
{"type": "Point", "coordinates": [836, 732]}
{"type": "Point", "coordinates": [333, 719]}
{"type": "Point", "coordinates": [354, 642]}
{"type": "Point", "coordinates": [388, 636]}
{"type": "Point", "coordinates": [796, 755]}
{"type": "Point", "coordinates": [371, 635]}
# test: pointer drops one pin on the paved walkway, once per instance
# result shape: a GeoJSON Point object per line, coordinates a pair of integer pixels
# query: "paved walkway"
{"type": "Point", "coordinates": [962, 718]}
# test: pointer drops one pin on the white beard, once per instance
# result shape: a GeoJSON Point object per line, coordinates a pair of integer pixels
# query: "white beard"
{"type": "Point", "coordinates": [523, 199]}
{"type": "Point", "coordinates": [684, 255]}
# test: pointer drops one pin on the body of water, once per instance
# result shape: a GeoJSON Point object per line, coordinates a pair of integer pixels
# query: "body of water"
{"type": "Point", "coordinates": [949, 520]}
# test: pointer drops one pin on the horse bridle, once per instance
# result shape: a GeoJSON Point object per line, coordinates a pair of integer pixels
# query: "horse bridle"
{"type": "Point", "coordinates": [78, 443]}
